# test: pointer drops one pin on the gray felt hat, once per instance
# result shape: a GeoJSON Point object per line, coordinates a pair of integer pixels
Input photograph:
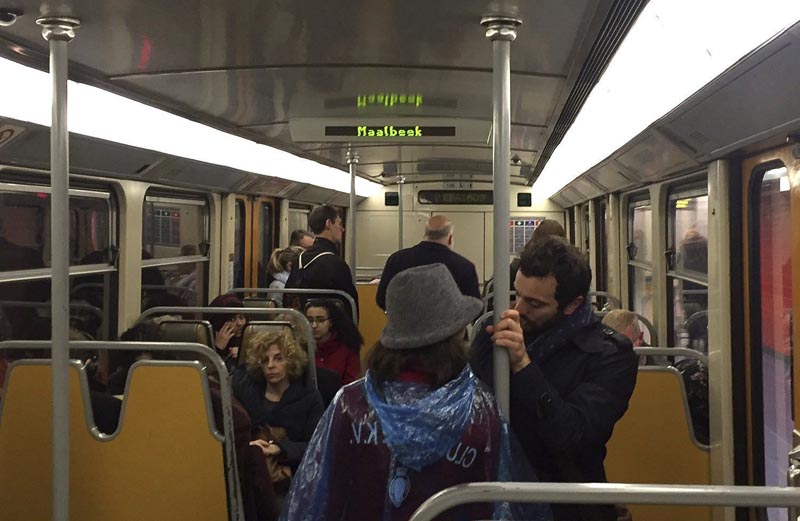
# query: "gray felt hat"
{"type": "Point", "coordinates": [425, 306]}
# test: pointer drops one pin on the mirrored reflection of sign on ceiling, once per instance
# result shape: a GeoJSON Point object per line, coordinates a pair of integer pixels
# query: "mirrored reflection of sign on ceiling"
{"type": "Point", "coordinates": [390, 131]}
{"type": "Point", "coordinates": [388, 99]}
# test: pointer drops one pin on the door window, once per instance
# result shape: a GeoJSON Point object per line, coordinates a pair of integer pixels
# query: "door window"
{"type": "Point", "coordinates": [771, 244]}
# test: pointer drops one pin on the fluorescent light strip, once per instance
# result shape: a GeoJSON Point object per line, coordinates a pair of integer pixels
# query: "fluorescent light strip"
{"type": "Point", "coordinates": [25, 94]}
{"type": "Point", "coordinates": [674, 49]}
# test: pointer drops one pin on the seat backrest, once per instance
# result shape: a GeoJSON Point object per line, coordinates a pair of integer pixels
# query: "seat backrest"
{"type": "Point", "coordinates": [259, 302]}
{"type": "Point", "coordinates": [140, 473]}
{"type": "Point", "coordinates": [654, 443]}
{"type": "Point", "coordinates": [257, 327]}
{"type": "Point", "coordinates": [195, 331]}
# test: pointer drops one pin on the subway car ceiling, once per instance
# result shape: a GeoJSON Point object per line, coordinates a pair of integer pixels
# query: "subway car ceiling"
{"type": "Point", "coordinates": [310, 77]}
{"type": "Point", "coordinates": [751, 106]}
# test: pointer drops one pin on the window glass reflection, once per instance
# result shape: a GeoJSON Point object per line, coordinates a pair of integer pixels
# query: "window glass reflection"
{"type": "Point", "coordinates": [642, 295]}
{"type": "Point", "coordinates": [775, 261]}
{"type": "Point", "coordinates": [691, 232]}
{"type": "Point", "coordinates": [690, 315]}
{"type": "Point", "coordinates": [640, 233]}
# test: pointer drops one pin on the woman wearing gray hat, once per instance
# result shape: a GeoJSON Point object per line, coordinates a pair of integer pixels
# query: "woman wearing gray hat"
{"type": "Point", "coordinates": [419, 421]}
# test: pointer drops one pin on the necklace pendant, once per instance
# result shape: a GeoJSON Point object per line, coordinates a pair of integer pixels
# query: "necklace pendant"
{"type": "Point", "coordinates": [399, 486]}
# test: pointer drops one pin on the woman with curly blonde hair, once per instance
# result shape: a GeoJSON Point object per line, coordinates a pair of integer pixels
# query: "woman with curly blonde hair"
{"type": "Point", "coordinates": [270, 386]}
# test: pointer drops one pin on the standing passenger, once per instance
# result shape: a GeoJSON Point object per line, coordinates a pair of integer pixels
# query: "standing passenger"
{"type": "Point", "coordinates": [571, 377]}
{"type": "Point", "coordinates": [302, 239]}
{"type": "Point", "coordinates": [437, 246]}
{"type": "Point", "coordinates": [419, 422]}
{"type": "Point", "coordinates": [279, 268]}
{"type": "Point", "coordinates": [320, 266]}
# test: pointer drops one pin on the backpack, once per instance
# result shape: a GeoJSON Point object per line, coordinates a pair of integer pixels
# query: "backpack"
{"type": "Point", "coordinates": [297, 277]}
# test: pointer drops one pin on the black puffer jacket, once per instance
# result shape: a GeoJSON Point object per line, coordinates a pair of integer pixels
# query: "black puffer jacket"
{"type": "Point", "coordinates": [298, 411]}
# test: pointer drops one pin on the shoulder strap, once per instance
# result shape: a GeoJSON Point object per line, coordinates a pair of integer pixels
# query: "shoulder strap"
{"type": "Point", "coordinates": [300, 260]}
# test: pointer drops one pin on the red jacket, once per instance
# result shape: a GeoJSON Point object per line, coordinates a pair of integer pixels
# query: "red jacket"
{"type": "Point", "coordinates": [334, 355]}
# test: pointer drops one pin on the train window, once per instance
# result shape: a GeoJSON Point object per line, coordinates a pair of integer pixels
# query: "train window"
{"type": "Point", "coordinates": [585, 220]}
{"type": "Point", "coordinates": [601, 232]}
{"type": "Point", "coordinates": [25, 260]}
{"type": "Point", "coordinates": [298, 216]}
{"type": "Point", "coordinates": [687, 268]}
{"type": "Point", "coordinates": [640, 268]}
{"type": "Point", "coordinates": [175, 233]}
{"type": "Point", "coordinates": [771, 289]}
{"type": "Point", "coordinates": [240, 218]}
{"type": "Point", "coordinates": [265, 224]}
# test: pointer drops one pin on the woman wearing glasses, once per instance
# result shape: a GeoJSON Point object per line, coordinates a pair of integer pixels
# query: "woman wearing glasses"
{"type": "Point", "coordinates": [337, 338]}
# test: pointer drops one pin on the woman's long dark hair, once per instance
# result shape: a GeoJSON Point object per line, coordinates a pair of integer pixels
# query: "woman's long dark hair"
{"type": "Point", "coordinates": [341, 323]}
{"type": "Point", "coordinates": [442, 361]}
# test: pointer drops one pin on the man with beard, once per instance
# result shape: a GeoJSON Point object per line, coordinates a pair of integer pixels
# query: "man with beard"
{"type": "Point", "coordinates": [571, 377]}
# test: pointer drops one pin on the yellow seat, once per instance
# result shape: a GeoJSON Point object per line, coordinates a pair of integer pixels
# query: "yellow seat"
{"type": "Point", "coordinates": [372, 319]}
{"type": "Point", "coordinates": [653, 443]}
{"type": "Point", "coordinates": [164, 464]}
{"type": "Point", "coordinates": [191, 331]}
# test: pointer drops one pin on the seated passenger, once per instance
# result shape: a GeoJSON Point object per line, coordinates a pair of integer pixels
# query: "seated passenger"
{"type": "Point", "coordinates": [284, 412]}
{"type": "Point", "coordinates": [337, 338]}
{"type": "Point", "coordinates": [627, 323]}
{"type": "Point", "coordinates": [695, 380]}
{"type": "Point", "coordinates": [228, 329]}
{"type": "Point", "coordinates": [419, 421]}
{"type": "Point", "coordinates": [120, 362]}
{"type": "Point", "coordinates": [279, 268]}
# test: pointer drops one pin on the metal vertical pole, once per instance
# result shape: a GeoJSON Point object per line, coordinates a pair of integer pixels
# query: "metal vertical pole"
{"type": "Point", "coordinates": [400, 181]}
{"type": "Point", "coordinates": [59, 32]}
{"type": "Point", "coordinates": [501, 31]}
{"type": "Point", "coordinates": [352, 161]}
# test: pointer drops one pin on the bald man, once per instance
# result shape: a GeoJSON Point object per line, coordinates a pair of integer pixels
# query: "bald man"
{"type": "Point", "coordinates": [436, 246]}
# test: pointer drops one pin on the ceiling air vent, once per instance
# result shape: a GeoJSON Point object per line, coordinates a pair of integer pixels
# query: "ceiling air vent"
{"type": "Point", "coordinates": [620, 19]}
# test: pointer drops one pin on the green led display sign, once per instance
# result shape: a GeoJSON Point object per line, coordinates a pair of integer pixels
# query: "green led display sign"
{"type": "Point", "coordinates": [388, 99]}
{"type": "Point", "coordinates": [390, 131]}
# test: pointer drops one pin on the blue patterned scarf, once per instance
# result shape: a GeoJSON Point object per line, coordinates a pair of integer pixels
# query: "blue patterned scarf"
{"type": "Point", "coordinates": [420, 424]}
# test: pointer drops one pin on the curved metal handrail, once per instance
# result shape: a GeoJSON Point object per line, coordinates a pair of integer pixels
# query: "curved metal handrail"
{"type": "Point", "coordinates": [671, 351]}
{"type": "Point", "coordinates": [311, 371]}
{"type": "Point", "coordinates": [337, 292]}
{"type": "Point", "coordinates": [606, 493]}
{"type": "Point", "coordinates": [610, 298]}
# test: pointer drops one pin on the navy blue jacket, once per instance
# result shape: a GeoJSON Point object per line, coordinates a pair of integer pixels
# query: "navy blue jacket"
{"type": "Point", "coordinates": [564, 407]}
{"type": "Point", "coordinates": [424, 253]}
{"type": "Point", "coordinates": [298, 411]}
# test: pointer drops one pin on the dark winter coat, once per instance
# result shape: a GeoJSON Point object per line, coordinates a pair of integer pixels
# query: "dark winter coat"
{"type": "Point", "coordinates": [564, 406]}
{"type": "Point", "coordinates": [298, 411]}
{"type": "Point", "coordinates": [424, 253]}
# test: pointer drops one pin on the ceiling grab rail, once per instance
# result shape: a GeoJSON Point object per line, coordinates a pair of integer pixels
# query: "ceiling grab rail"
{"type": "Point", "coordinates": [607, 493]}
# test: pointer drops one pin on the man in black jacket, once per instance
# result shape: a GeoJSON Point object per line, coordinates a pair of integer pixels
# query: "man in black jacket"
{"type": "Point", "coordinates": [571, 377]}
{"type": "Point", "coordinates": [437, 246]}
{"type": "Point", "coordinates": [320, 267]}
